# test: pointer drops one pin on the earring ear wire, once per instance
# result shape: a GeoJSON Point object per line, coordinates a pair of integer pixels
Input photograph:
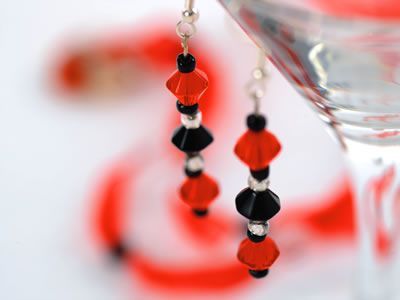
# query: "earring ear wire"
{"type": "Point", "coordinates": [188, 84]}
{"type": "Point", "coordinates": [257, 147]}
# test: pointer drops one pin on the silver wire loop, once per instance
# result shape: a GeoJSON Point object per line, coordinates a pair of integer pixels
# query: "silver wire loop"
{"type": "Point", "coordinates": [189, 4]}
{"type": "Point", "coordinates": [185, 28]}
{"type": "Point", "coordinates": [256, 86]}
{"type": "Point", "coordinates": [183, 32]}
{"type": "Point", "coordinates": [185, 45]}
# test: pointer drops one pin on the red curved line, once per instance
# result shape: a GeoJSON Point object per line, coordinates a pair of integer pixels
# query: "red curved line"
{"type": "Point", "coordinates": [110, 226]}
{"type": "Point", "coordinates": [204, 233]}
{"type": "Point", "coordinates": [202, 278]}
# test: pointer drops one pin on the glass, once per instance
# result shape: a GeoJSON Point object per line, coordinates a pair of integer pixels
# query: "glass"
{"type": "Point", "coordinates": [346, 64]}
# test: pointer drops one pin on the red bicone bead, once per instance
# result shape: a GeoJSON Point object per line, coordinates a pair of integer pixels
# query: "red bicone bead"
{"type": "Point", "coordinates": [257, 149]}
{"type": "Point", "coordinates": [198, 192]}
{"type": "Point", "coordinates": [188, 87]}
{"type": "Point", "coordinates": [258, 256]}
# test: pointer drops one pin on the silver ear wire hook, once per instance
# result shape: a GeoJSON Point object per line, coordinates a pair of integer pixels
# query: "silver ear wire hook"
{"type": "Point", "coordinates": [189, 4]}
{"type": "Point", "coordinates": [256, 86]}
{"type": "Point", "coordinates": [186, 28]}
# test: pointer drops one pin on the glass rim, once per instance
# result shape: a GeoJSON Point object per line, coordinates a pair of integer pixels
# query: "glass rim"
{"type": "Point", "coordinates": [302, 17]}
{"type": "Point", "coordinates": [296, 6]}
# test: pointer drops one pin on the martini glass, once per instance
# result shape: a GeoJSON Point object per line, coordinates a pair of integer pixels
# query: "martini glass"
{"type": "Point", "coordinates": [344, 58]}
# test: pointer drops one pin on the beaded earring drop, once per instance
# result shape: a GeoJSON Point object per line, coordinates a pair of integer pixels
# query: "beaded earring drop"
{"type": "Point", "coordinates": [257, 147]}
{"type": "Point", "coordinates": [188, 84]}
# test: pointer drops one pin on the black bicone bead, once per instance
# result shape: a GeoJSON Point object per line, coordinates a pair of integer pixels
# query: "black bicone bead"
{"type": "Point", "coordinates": [187, 110]}
{"type": "Point", "coordinates": [255, 238]}
{"type": "Point", "coordinates": [191, 140]}
{"type": "Point", "coordinates": [260, 174]}
{"type": "Point", "coordinates": [185, 64]}
{"type": "Point", "coordinates": [259, 274]}
{"type": "Point", "coordinates": [193, 173]}
{"type": "Point", "coordinates": [200, 212]}
{"type": "Point", "coordinates": [260, 206]}
{"type": "Point", "coordinates": [256, 122]}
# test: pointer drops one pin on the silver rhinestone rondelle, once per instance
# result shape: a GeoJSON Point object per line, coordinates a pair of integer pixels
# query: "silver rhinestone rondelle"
{"type": "Point", "coordinates": [259, 228]}
{"type": "Point", "coordinates": [191, 121]}
{"type": "Point", "coordinates": [195, 163]}
{"type": "Point", "coordinates": [258, 186]}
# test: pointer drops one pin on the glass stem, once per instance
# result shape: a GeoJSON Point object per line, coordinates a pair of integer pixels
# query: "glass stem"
{"type": "Point", "coordinates": [376, 177]}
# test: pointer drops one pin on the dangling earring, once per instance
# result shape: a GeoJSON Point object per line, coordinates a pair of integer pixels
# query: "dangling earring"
{"type": "Point", "coordinates": [188, 84]}
{"type": "Point", "coordinates": [257, 147]}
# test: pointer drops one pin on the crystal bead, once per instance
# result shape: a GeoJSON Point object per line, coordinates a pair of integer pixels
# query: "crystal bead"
{"type": "Point", "coordinates": [199, 192]}
{"type": "Point", "coordinates": [191, 121]}
{"type": "Point", "coordinates": [258, 256]}
{"type": "Point", "coordinates": [194, 163]}
{"type": "Point", "coordinates": [259, 274]}
{"type": "Point", "coordinates": [257, 149]}
{"type": "Point", "coordinates": [200, 212]}
{"type": "Point", "coordinates": [188, 87]}
{"type": "Point", "coordinates": [193, 173]}
{"type": "Point", "coordinates": [185, 63]}
{"type": "Point", "coordinates": [258, 186]}
{"type": "Point", "coordinates": [260, 206]}
{"type": "Point", "coordinates": [255, 238]}
{"type": "Point", "coordinates": [260, 174]}
{"type": "Point", "coordinates": [259, 228]}
{"type": "Point", "coordinates": [187, 110]}
{"type": "Point", "coordinates": [192, 140]}
{"type": "Point", "coordinates": [256, 122]}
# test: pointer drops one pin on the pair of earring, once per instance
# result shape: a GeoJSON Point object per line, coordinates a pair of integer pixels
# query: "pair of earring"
{"type": "Point", "coordinates": [257, 147]}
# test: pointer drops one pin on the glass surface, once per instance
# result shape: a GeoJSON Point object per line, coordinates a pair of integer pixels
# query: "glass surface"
{"type": "Point", "coordinates": [345, 61]}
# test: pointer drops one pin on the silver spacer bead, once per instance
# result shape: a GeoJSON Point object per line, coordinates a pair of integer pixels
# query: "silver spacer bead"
{"type": "Point", "coordinates": [191, 121]}
{"type": "Point", "coordinates": [259, 228]}
{"type": "Point", "coordinates": [258, 186]}
{"type": "Point", "coordinates": [195, 163]}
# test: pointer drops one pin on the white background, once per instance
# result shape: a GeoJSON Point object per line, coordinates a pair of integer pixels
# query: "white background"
{"type": "Point", "coordinates": [53, 153]}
